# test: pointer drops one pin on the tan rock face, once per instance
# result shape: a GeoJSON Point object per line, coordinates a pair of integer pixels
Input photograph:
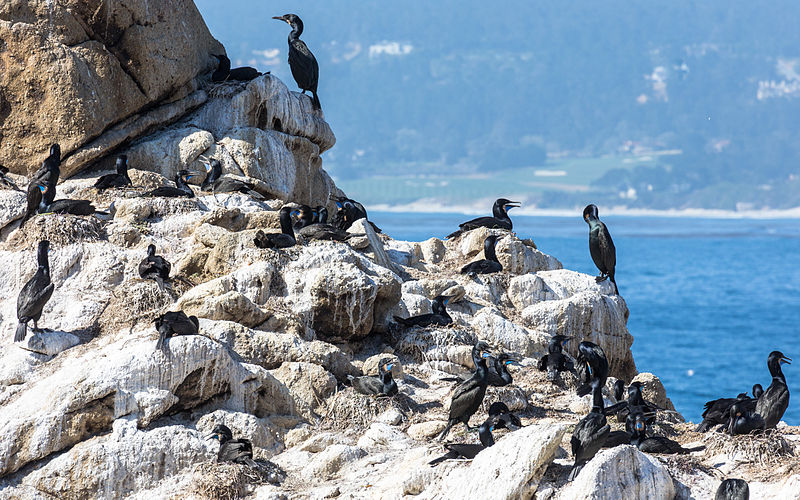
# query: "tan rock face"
{"type": "Point", "coordinates": [70, 69]}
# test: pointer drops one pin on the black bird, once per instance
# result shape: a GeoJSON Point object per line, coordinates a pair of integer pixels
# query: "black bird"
{"type": "Point", "coordinates": [302, 62]}
{"type": "Point", "coordinates": [619, 390]}
{"type": "Point", "coordinates": [154, 267]}
{"type": "Point", "coordinates": [773, 403]}
{"type": "Point", "coordinates": [601, 246]}
{"type": "Point", "coordinates": [304, 217]}
{"type": "Point", "coordinates": [617, 438]}
{"type": "Point", "coordinates": [654, 444]}
{"type": "Point", "coordinates": [308, 227]}
{"type": "Point", "coordinates": [555, 360]}
{"type": "Point", "coordinates": [284, 239]}
{"type": "Point", "coordinates": [757, 391]}
{"type": "Point", "coordinates": [217, 183]}
{"type": "Point", "coordinates": [501, 410]}
{"type": "Point", "coordinates": [50, 170]}
{"type": "Point", "coordinates": [733, 489]}
{"type": "Point", "coordinates": [49, 205]}
{"type": "Point", "coordinates": [35, 294]}
{"type": "Point", "coordinates": [635, 403]}
{"type": "Point", "coordinates": [175, 323]}
{"type": "Point", "coordinates": [470, 451]}
{"type": "Point", "coordinates": [348, 211]}
{"type": "Point", "coordinates": [117, 180]}
{"type": "Point", "coordinates": [439, 316]}
{"type": "Point", "coordinates": [34, 198]}
{"type": "Point", "coordinates": [383, 384]}
{"type": "Point", "coordinates": [498, 220]}
{"type": "Point", "coordinates": [224, 71]}
{"type": "Point", "coordinates": [498, 370]}
{"type": "Point", "coordinates": [592, 364]}
{"type": "Point", "coordinates": [468, 395]}
{"type": "Point", "coordinates": [742, 420]}
{"type": "Point", "coordinates": [717, 411]}
{"type": "Point", "coordinates": [590, 433]}
{"type": "Point", "coordinates": [240, 451]}
{"type": "Point", "coordinates": [5, 181]}
{"type": "Point", "coordinates": [181, 189]}
{"type": "Point", "coordinates": [488, 265]}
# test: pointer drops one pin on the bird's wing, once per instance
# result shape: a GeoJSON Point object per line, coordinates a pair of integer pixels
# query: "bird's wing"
{"type": "Point", "coordinates": [34, 300]}
{"type": "Point", "coordinates": [610, 257]}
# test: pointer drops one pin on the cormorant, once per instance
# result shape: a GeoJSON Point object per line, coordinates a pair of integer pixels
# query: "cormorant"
{"type": "Point", "coordinates": [470, 451]}
{"type": "Point", "coordinates": [590, 433]}
{"type": "Point", "coordinates": [224, 71]}
{"type": "Point", "coordinates": [240, 451]}
{"type": "Point", "coordinates": [468, 395]}
{"type": "Point", "coordinates": [35, 294]}
{"type": "Point", "coordinates": [498, 370]}
{"type": "Point", "coordinates": [757, 391]}
{"type": "Point", "coordinates": [555, 360]}
{"type": "Point", "coordinates": [308, 227]}
{"type": "Point", "coordinates": [439, 316]}
{"type": "Point", "coordinates": [773, 403]}
{"type": "Point", "coordinates": [117, 180]}
{"type": "Point", "coordinates": [601, 246]}
{"type": "Point", "coordinates": [305, 69]}
{"type": "Point", "coordinates": [49, 205]}
{"type": "Point", "coordinates": [383, 384]}
{"type": "Point", "coordinates": [50, 170]}
{"type": "Point", "coordinates": [592, 364]}
{"type": "Point", "coordinates": [742, 420]}
{"type": "Point", "coordinates": [733, 489]}
{"type": "Point", "coordinates": [617, 438]}
{"type": "Point", "coordinates": [34, 198]}
{"type": "Point", "coordinates": [654, 444]}
{"type": "Point", "coordinates": [154, 267]}
{"type": "Point", "coordinates": [717, 411]}
{"type": "Point", "coordinates": [635, 403]}
{"type": "Point", "coordinates": [5, 181]}
{"type": "Point", "coordinates": [488, 265]}
{"type": "Point", "coordinates": [215, 182]}
{"type": "Point", "coordinates": [501, 410]}
{"type": "Point", "coordinates": [349, 211]}
{"type": "Point", "coordinates": [175, 323]}
{"type": "Point", "coordinates": [499, 219]}
{"type": "Point", "coordinates": [619, 390]}
{"type": "Point", "coordinates": [181, 189]}
{"type": "Point", "coordinates": [284, 239]}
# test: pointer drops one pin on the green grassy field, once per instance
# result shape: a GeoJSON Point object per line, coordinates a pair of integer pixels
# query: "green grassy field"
{"type": "Point", "coordinates": [568, 175]}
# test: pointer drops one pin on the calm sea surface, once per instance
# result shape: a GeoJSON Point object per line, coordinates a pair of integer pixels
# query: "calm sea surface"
{"type": "Point", "coordinates": [709, 299]}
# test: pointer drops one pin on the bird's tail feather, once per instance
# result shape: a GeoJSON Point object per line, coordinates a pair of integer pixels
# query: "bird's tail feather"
{"type": "Point", "coordinates": [447, 456]}
{"type": "Point", "coordinates": [576, 469]}
{"type": "Point", "coordinates": [162, 338]}
{"type": "Point", "coordinates": [446, 430]}
{"type": "Point", "coordinates": [696, 448]}
{"type": "Point", "coordinates": [22, 329]}
{"type": "Point", "coordinates": [315, 101]}
{"type": "Point", "coordinates": [160, 282]}
{"type": "Point", "coordinates": [611, 277]}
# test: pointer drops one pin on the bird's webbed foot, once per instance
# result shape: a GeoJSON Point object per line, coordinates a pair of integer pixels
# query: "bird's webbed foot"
{"type": "Point", "coordinates": [600, 278]}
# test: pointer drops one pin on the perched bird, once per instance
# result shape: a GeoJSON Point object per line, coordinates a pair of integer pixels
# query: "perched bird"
{"type": "Point", "coordinates": [773, 403]}
{"type": "Point", "coordinates": [35, 294]}
{"type": "Point", "coordinates": [488, 265]}
{"type": "Point", "coordinates": [506, 417]}
{"type": "Point", "coordinates": [757, 391]}
{"type": "Point", "coordinates": [49, 205]}
{"type": "Point", "coordinates": [654, 444]}
{"type": "Point", "coordinates": [619, 389]}
{"type": "Point", "coordinates": [635, 403]}
{"type": "Point", "coordinates": [468, 395]}
{"type": "Point", "coordinates": [498, 370]}
{"type": "Point", "coordinates": [439, 316]}
{"type": "Point", "coordinates": [498, 220]}
{"type": "Point", "coordinates": [601, 246]}
{"type": "Point", "coordinates": [733, 489]}
{"type": "Point", "coordinates": [382, 385]}
{"type": "Point", "coordinates": [224, 71]}
{"type": "Point", "coordinates": [181, 189]}
{"type": "Point", "coordinates": [308, 227]}
{"type": "Point", "coordinates": [284, 239]}
{"type": "Point", "coordinates": [34, 198]}
{"type": "Point", "coordinates": [50, 170]}
{"type": "Point", "coordinates": [175, 323]}
{"type": "Point", "coordinates": [590, 433]}
{"type": "Point", "coordinates": [742, 420]}
{"type": "Point", "coordinates": [5, 181]}
{"type": "Point", "coordinates": [321, 214]}
{"type": "Point", "coordinates": [116, 180]}
{"type": "Point", "coordinates": [470, 451]}
{"type": "Point", "coordinates": [154, 267]}
{"type": "Point", "coordinates": [348, 211]}
{"type": "Point", "coordinates": [592, 364]}
{"type": "Point", "coordinates": [302, 62]}
{"type": "Point", "coordinates": [717, 411]}
{"type": "Point", "coordinates": [217, 183]}
{"type": "Point", "coordinates": [555, 361]}
{"type": "Point", "coordinates": [240, 451]}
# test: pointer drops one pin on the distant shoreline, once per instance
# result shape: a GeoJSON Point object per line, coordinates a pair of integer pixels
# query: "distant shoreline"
{"type": "Point", "coordinates": [424, 206]}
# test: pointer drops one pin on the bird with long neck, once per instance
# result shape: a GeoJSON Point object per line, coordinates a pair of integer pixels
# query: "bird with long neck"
{"type": "Point", "coordinates": [601, 246]}
{"type": "Point", "coordinates": [35, 294]}
{"type": "Point", "coordinates": [302, 62]}
{"type": "Point", "coordinates": [773, 403]}
{"type": "Point", "coordinates": [284, 239]}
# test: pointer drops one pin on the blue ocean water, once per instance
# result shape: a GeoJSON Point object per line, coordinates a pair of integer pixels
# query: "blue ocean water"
{"type": "Point", "coordinates": [709, 299]}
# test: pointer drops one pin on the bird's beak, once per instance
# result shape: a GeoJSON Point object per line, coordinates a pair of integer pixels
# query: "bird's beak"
{"type": "Point", "coordinates": [786, 360]}
{"type": "Point", "coordinates": [512, 204]}
{"type": "Point", "coordinates": [281, 18]}
{"type": "Point", "coordinates": [389, 367]}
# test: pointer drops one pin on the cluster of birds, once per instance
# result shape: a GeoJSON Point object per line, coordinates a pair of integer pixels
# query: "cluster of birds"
{"type": "Point", "coordinates": [740, 415]}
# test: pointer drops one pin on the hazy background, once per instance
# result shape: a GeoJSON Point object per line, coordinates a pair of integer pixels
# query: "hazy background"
{"type": "Point", "coordinates": [660, 104]}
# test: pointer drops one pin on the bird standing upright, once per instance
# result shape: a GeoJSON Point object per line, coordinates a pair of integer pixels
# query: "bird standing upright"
{"type": "Point", "coordinates": [601, 246]}
{"type": "Point", "coordinates": [302, 62]}
{"type": "Point", "coordinates": [35, 294]}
